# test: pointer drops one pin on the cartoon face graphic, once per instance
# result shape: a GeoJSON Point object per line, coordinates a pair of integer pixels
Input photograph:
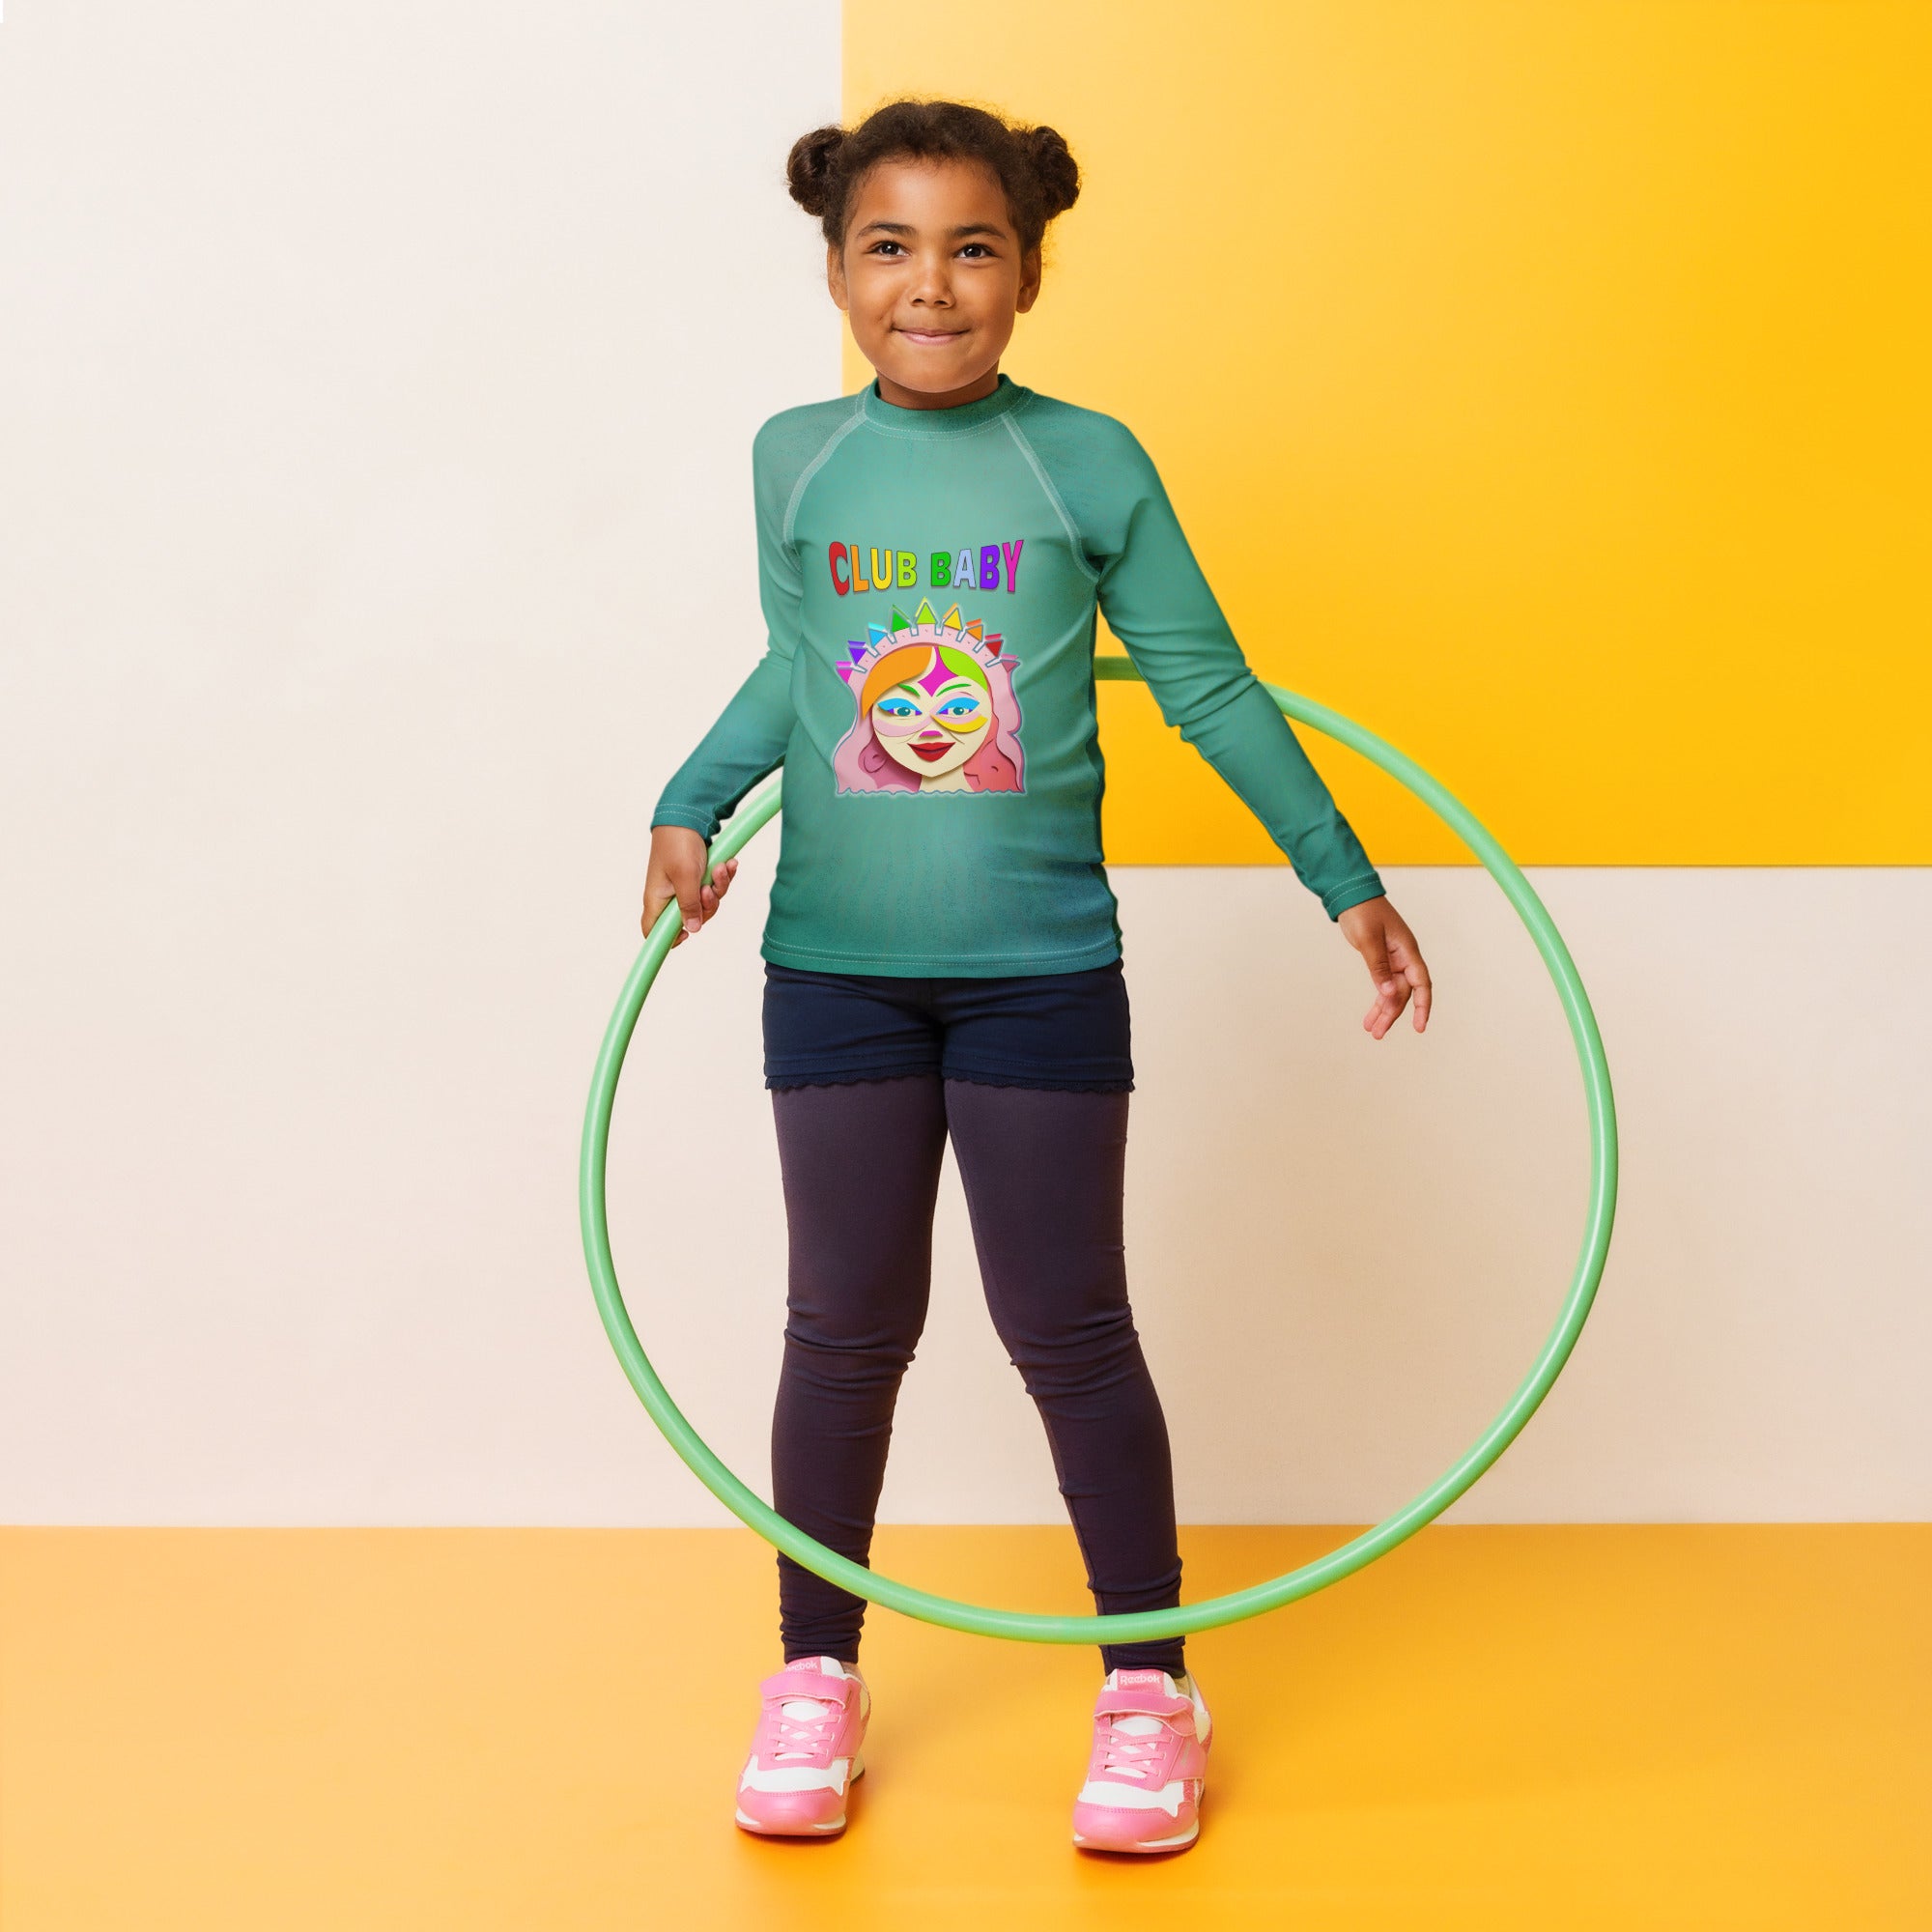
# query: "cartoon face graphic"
{"type": "Point", "coordinates": [932, 711]}
{"type": "Point", "coordinates": [936, 710]}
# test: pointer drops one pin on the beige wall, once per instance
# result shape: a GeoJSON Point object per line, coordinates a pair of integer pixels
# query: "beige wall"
{"type": "Point", "coordinates": [1346, 1254]}
{"type": "Point", "coordinates": [374, 426]}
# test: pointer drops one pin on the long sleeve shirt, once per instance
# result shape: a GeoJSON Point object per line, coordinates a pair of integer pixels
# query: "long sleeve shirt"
{"type": "Point", "coordinates": [930, 581]}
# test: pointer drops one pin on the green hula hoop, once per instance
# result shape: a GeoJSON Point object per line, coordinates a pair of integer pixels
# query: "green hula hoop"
{"type": "Point", "coordinates": [1212, 1611]}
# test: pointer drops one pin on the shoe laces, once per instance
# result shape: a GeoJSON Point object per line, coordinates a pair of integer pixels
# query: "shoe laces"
{"type": "Point", "coordinates": [1133, 1745]}
{"type": "Point", "coordinates": [799, 1727]}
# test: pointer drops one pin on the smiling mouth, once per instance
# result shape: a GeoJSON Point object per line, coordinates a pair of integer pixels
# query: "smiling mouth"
{"type": "Point", "coordinates": [931, 751]}
{"type": "Point", "coordinates": [933, 335]}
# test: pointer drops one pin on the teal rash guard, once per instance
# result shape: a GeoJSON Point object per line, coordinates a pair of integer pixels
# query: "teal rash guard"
{"type": "Point", "coordinates": [929, 580]}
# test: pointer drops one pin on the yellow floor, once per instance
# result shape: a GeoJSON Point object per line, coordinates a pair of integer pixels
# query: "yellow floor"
{"type": "Point", "coordinates": [1549, 1728]}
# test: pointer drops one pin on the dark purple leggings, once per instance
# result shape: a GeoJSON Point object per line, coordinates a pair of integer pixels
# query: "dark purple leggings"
{"type": "Point", "coordinates": [1043, 1173]}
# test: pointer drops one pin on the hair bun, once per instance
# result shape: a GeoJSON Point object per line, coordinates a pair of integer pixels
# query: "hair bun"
{"type": "Point", "coordinates": [1054, 168]}
{"type": "Point", "coordinates": [811, 168]}
{"type": "Point", "coordinates": [1039, 178]}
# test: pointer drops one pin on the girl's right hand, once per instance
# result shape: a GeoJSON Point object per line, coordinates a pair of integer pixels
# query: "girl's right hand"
{"type": "Point", "coordinates": [676, 872]}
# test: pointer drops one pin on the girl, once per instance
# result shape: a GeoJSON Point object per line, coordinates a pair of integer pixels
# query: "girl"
{"type": "Point", "coordinates": [942, 958]}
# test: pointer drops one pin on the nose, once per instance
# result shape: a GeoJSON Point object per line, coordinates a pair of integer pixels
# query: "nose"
{"type": "Point", "coordinates": [931, 286]}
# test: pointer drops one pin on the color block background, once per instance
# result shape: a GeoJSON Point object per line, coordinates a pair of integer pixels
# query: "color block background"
{"type": "Point", "coordinates": [377, 385]}
{"type": "Point", "coordinates": [375, 536]}
{"type": "Point", "coordinates": [1543, 385]}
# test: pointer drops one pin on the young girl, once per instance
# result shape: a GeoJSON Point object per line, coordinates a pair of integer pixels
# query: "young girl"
{"type": "Point", "coordinates": [942, 958]}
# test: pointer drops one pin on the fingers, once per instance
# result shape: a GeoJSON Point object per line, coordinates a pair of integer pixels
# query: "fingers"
{"type": "Point", "coordinates": [714, 888]}
{"type": "Point", "coordinates": [1388, 1006]}
{"type": "Point", "coordinates": [686, 882]}
{"type": "Point", "coordinates": [1391, 990]}
{"type": "Point", "coordinates": [677, 873]}
{"type": "Point", "coordinates": [1424, 994]}
{"type": "Point", "coordinates": [1409, 961]}
{"type": "Point", "coordinates": [1394, 962]}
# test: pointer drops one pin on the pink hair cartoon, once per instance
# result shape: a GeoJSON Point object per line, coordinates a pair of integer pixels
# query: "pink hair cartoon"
{"type": "Point", "coordinates": [907, 653]}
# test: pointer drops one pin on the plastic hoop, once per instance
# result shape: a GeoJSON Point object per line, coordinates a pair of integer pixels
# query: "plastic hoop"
{"type": "Point", "coordinates": [1214, 1611]}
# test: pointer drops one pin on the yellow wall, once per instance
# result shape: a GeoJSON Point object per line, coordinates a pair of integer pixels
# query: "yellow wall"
{"type": "Point", "coordinates": [1545, 385]}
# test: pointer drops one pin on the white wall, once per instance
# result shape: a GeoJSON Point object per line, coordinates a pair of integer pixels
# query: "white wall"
{"type": "Point", "coordinates": [373, 488]}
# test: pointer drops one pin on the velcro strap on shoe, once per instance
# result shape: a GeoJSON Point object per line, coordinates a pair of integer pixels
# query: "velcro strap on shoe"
{"type": "Point", "coordinates": [808, 1684]}
{"type": "Point", "coordinates": [1129, 1702]}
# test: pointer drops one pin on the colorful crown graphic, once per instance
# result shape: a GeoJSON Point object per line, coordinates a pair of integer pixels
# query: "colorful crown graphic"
{"type": "Point", "coordinates": [921, 628]}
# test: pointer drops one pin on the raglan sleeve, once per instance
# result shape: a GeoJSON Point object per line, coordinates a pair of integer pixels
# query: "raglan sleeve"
{"type": "Point", "coordinates": [749, 738]}
{"type": "Point", "coordinates": [1157, 602]}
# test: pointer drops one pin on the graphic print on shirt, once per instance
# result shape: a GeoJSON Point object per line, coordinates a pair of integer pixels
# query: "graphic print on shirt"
{"type": "Point", "coordinates": [936, 709]}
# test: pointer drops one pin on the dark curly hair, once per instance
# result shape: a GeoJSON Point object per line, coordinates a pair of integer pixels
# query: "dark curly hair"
{"type": "Point", "coordinates": [1032, 164]}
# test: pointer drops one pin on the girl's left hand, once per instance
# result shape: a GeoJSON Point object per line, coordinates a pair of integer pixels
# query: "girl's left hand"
{"type": "Point", "coordinates": [1388, 949]}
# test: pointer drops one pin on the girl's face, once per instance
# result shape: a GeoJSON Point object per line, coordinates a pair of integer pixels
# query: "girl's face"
{"type": "Point", "coordinates": [931, 725]}
{"type": "Point", "coordinates": [932, 277]}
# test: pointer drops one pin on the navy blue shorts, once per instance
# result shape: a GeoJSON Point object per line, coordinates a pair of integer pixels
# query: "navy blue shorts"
{"type": "Point", "coordinates": [1065, 1030]}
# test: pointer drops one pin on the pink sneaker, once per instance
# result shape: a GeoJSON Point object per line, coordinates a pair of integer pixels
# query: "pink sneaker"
{"type": "Point", "coordinates": [1148, 1768]}
{"type": "Point", "coordinates": [806, 1749]}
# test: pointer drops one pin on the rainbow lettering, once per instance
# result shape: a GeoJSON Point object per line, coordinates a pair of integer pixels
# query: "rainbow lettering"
{"type": "Point", "coordinates": [975, 567]}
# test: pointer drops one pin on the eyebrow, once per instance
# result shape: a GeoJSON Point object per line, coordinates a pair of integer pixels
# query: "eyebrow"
{"type": "Point", "coordinates": [958, 234]}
